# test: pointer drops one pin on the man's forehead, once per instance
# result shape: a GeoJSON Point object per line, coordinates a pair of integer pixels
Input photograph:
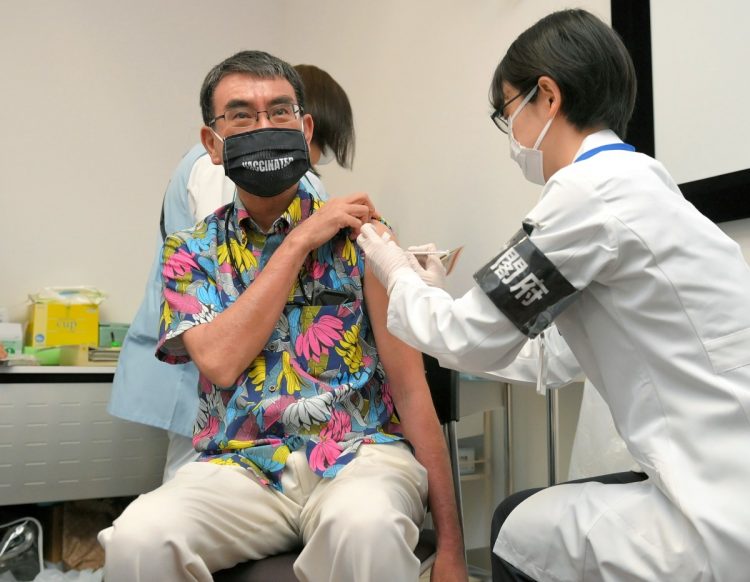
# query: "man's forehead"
{"type": "Point", "coordinates": [250, 88]}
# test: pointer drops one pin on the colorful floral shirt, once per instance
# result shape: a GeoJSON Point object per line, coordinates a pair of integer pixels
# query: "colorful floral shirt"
{"type": "Point", "coordinates": [317, 384]}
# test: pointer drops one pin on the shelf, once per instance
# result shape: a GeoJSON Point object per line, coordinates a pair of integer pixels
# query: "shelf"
{"type": "Point", "coordinates": [106, 369]}
{"type": "Point", "coordinates": [472, 476]}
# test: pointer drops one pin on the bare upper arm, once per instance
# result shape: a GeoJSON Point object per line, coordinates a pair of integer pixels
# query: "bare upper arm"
{"type": "Point", "coordinates": [380, 227]}
{"type": "Point", "coordinates": [402, 363]}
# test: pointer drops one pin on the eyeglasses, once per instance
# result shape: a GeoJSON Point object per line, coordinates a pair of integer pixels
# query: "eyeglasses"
{"type": "Point", "coordinates": [500, 120]}
{"type": "Point", "coordinates": [244, 117]}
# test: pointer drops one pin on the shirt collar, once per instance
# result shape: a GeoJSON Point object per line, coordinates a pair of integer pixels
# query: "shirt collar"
{"type": "Point", "coordinates": [305, 203]}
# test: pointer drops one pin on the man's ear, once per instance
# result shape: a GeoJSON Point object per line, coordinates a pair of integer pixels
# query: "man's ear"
{"type": "Point", "coordinates": [214, 146]}
{"type": "Point", "coordinates": [549, 96]}
{"type": "Point", "coordinates": [308, 125]}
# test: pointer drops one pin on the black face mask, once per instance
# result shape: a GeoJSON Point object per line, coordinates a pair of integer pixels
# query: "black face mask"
{"type": "Point", "coordinates": [267, 161]}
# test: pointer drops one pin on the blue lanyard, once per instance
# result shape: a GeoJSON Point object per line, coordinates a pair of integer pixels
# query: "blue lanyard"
{"type": "Point", "coordinates": [610, 146]}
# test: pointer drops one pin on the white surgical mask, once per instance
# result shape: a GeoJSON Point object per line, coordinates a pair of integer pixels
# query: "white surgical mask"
{"type": "Point", "coordinates": [529, 159]}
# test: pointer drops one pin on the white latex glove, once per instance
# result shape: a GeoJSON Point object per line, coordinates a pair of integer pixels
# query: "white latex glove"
{"type": "Point", "coordinates": [433, 271]}
{"type": "Point", "coordinates": [384, 256]}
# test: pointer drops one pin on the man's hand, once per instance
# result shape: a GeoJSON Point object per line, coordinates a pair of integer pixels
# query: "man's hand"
{"type": "Point", "coordinates": [383, 256]}
{"type": "Point", "coordinates": [449, 566]}
{"type": "Point", "coordinates": [432, 271]}
{"type": "Point", "coordinates": [345, 212]}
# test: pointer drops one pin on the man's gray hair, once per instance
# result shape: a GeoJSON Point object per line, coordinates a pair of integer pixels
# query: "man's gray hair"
{"type": "Point", "coordinates": [256, 63]}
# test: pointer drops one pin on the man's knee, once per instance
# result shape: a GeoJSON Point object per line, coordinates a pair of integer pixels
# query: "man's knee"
{"type": "Point", "coordinates": [137, 542]}
{"type": "Point", "coordinates": [139, 534]}
{"type": "Point", "coordinates": [371, 522]}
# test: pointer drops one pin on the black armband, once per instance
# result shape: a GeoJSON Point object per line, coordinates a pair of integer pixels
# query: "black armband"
{"type": "Point", "coordinates": [525, 285]}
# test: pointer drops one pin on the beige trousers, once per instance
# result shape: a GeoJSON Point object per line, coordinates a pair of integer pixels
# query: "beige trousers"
{"type": "Point", "coordinates": [360, 526]}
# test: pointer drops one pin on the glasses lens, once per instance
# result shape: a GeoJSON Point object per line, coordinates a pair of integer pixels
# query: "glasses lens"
{"type": "Point", "coordinates": [243, 117]}
{"type": "Point", "coordinates": [500, 121]}
{"type": "Point", "coordinates": [282, 113]}
{"type": "Point", "coordinates": [240, 117]}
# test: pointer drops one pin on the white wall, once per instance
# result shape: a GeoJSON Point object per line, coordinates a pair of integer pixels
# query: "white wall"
{"type": "Point", "coordinates": [700, 110]}
{"type": "Point", "coordinates": [100, 100]}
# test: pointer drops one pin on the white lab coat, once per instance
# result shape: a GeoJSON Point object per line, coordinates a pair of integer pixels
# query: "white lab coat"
{"type": "Point", "coordinates": [662, 327]}
{"type": "Point", "coordinates": [597, 447]}
{"type": "Point", "coordinates": [562, 366]}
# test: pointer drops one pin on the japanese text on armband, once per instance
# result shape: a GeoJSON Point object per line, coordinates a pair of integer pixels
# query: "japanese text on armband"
{"type": "Point", "coordinates": [525, 285]}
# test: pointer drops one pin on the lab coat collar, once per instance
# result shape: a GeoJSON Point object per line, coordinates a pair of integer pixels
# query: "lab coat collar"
{"type": "Point", "coordinates": [599, 138]}
{"type": "Point", "coordinates": [594, 140]}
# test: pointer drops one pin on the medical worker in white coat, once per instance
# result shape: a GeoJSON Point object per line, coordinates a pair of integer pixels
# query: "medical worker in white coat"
{"type": "Point", "coordinates": [653, 300]}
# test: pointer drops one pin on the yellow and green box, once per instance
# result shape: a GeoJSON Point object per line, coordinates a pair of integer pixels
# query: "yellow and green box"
{"type": "Point", "coordinates": [60, 324]}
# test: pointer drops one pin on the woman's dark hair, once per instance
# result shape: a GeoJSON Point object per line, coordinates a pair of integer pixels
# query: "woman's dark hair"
{"type": "Point", "coordinates": [255, 63]}
{"type": "Point", "coordinates": [587, 60]}
{"type": "Point", "coordinates": [331, 111]}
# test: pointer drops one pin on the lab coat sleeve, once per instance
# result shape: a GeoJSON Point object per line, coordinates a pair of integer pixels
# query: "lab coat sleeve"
{"type": "Point", "coordinates": [562, 366]}
{"type": "Point", "coordinates": [574, 229]}
{"type": "Point", "coordinates": [468, 333]}
{"type": "Point", "coordinates": [570, 225]}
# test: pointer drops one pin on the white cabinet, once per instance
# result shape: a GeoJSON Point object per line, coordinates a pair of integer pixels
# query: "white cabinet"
{"type": "Point", "coordinates": [58, 443]}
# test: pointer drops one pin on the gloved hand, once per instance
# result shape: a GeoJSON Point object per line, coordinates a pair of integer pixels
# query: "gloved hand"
{"type": "Point", "coordinates": [384, 256]}
{"type": "Point", "coordinates": [433, 272]}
